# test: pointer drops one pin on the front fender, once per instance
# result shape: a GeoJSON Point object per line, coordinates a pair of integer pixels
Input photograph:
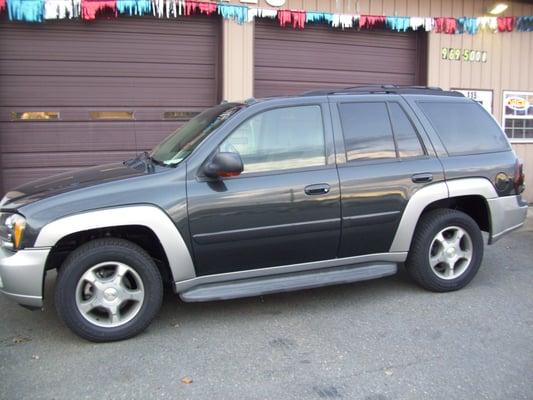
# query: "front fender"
{"type": "Point", "coordinates": [151, 217]}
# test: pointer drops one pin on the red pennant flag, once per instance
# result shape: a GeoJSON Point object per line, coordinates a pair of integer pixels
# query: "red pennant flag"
{"type": "Point", "coordinates": [90, 8]}
{"type": "Point", "coordinates": [505, 24]}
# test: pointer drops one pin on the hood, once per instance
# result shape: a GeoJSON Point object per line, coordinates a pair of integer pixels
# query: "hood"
{"type": "Point", "coordinates": [68, 181]}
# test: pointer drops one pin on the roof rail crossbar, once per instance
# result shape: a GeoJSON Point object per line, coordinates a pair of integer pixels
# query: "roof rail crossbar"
{"type": "Point", "coordinates": [385, 89]}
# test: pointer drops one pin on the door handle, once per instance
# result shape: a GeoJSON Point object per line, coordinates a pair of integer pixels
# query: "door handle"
{"type": "Point", "coordinates": [321, 188]}
{"type": "Point", "coordinates": [422, 178]}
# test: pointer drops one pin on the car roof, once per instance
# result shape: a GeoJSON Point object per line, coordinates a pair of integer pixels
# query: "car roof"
{"type": "Point", "coordinates": [364, 90]}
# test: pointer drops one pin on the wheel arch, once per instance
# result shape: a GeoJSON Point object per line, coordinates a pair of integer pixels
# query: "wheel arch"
{"type": "Point", "coordinates": [140, 235]}
{"type": "Point", "coordinates": [463, 194]}
{"type": "Point", "coordinates": [150, 219]}
{"type": "Point", "coordinates": [474, 205]}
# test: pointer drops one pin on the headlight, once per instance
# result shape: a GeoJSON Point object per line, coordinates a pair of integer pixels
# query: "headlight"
{"type": "Point", "coordinates": [12, 228]}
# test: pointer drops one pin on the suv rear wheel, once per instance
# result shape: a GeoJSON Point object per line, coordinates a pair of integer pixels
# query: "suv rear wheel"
{"type": "Point", "coordinates": [446, 251]}
{"type": "Point", "coordinates": [108, 289]}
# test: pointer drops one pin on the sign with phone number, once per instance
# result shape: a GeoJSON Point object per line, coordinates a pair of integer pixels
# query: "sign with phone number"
{"type": "Point", "coordinates": [454, 54]}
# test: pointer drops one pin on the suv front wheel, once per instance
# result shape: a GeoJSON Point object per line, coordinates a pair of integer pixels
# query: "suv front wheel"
{"type": "Point", "coordinates": [446, 251]}
{"type": "Point", "coordinates": [108, 289]}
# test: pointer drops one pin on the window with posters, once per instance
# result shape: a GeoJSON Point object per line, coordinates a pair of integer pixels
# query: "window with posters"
{"type": "Point", "coordinates": [517, 118]}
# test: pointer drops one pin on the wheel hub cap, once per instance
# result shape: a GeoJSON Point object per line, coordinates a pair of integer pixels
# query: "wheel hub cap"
{"type": "Point", "coordinates": [450, 252]}
{"type": "Point", "coordinates": [110, 294]}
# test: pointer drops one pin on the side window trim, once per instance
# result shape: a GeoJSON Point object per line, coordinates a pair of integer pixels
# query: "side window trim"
{"type": "Point", "coordinates": [428, 136]}
{"type": "Point", "coordinates": [324, 114]}
{"type": "Point", "coordinates": [415, 129]}
{"type": "Point", "coordinates": [366, 161]}
{"type": "Point", "coordinates": [387, 105]}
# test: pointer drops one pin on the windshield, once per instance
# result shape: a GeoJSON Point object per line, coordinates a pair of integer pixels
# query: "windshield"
{"type": "Point", "coordinates": [176, 147]}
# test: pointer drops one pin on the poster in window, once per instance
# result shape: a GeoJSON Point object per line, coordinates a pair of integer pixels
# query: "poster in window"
{"type": "Point", "coordinates": [518, 103]}
{"type": "Point", "coordinates": [483, 97]}
{"type": "Point", "coordinates": [517, 118]}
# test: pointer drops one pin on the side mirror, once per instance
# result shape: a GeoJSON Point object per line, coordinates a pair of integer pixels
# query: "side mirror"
{"type": "Point", "coordinates": [224, 165]}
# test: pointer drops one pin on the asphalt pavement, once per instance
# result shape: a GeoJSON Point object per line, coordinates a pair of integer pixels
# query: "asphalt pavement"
{"type": "Point", "coordinates": [378, 340]}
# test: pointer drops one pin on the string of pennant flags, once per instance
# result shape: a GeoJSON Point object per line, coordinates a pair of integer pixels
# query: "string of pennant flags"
{"type": "Point", "coordinates": [39, 11]}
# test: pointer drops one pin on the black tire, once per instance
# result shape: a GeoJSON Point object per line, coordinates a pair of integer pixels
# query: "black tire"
{"type": "Point", "coordinates": [418, 262]}
{"type": "Point", "coordinates": [101, 251]}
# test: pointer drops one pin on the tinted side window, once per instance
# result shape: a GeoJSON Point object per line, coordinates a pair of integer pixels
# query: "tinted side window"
{"type": "Point", "coordinates": [464, 127]}
{"type": "Point", "coordinates": [280, 139]}
{"type": "Point", "coordinates": [367, 131]}
{"type": "Point", "coordinates": [407, 140]}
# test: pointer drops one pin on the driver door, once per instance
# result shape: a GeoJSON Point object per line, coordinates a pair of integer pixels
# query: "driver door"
{"type": "Point", "coordinates": [285, 206]}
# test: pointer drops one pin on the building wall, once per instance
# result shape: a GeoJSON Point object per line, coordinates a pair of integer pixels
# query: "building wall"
{"type": "Point", "coordinates": [510, 57]}
{"type": "Point", "coordinates": [498, 73]}
{"type": "Point", "coordinates": [509, 65]}
{"type": "Point", "coordinates": [422, 8]}
{"type": "Point", "coordinates": [525, 152]}
{"type": "Point", "coordinates": [237, 60]}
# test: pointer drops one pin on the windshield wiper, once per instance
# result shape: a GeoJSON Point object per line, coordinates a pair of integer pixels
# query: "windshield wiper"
{"type": "Point", "coordinates": [157, 162]}
{"type": "Point", "coordinates": [145, 158]}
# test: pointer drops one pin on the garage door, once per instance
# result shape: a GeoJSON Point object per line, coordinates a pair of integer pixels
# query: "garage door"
{"type": "Point", "coordinates": [289, 61]}
{"type": "Point", "coordinates": [75, 94]}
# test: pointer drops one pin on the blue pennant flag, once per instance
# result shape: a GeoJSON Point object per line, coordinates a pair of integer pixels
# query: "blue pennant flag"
{"type": "Point", "coordinates": [134, 7]}
{"type": "Point", "coordinates": [466, 24]}
{"type": "Point", "coordinates": [398, 23]}
{"type": "Point", "coordinates": [524, 24]}
{"type": "Point", "coordinates": [236, 13]}
{"type": "Point", "coordinates": [25, 10]}
{"type": "Point", "coordinates": [318, 17]}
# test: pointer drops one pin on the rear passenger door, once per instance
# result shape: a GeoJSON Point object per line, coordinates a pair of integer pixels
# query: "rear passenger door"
{"type": "Point", "coordinates": [383, 158]}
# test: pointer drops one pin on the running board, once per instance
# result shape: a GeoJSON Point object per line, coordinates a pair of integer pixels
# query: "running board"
{"type": "Point", "coordinates": [287, 282]}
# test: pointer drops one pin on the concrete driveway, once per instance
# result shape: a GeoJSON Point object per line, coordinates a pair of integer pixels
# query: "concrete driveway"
{"type": "Point", "coordinates": [385, 339]}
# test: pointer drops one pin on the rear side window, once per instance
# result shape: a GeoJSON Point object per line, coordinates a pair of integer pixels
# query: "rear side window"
{"type": "Point", "coordinates": [407, 139]}
{"type": "Point", "coordinates": [464, 128]}
{"type": "Point", "coordinates": [367, 131]}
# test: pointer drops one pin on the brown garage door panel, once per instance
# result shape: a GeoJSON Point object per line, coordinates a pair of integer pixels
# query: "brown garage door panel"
{"type": "Point", "coordinates": [342, 58]}
{"type": "Point", "coordinates": [142, 65]}
{"type": "Point", "coordinates": [289, 61]}
{"type": "Point", "coordinates": [105, 69]}
{"type": "Point", "coordinates": [104, 92]}
{"type": "Point", "coordinates": [192, 49]}
{"type": "Point", "coordinates": [334, 77]}
{"type": "Point", "coordinates": [198, 25]}
{"type": "Point", "coordinates": [127, 39]}
{"type": "Point", "coordinates": [57, 147]}
{"type": "Point", "coordinates": [19, 161]}
{"type": "Point", "coordinates": [77, 114]}
{"type": "Point", "coordinates": [36, 137]}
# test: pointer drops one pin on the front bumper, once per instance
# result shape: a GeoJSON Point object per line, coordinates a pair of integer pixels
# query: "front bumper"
{"type": "Point", "coordinates": [507, 214]}
{"type": "Point", "coordinates": [22, 275]}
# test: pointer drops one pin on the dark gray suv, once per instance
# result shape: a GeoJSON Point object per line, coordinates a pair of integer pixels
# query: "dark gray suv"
{"type": "Point", "coordinates": [265, 196]}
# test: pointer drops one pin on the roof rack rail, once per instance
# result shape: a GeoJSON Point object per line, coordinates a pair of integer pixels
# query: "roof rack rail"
{"type": "Point", "coordinates": [385, 89]}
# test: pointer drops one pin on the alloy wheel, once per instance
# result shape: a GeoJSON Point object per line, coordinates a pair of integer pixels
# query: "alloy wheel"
{"type": "Point", "coordinates": [110, 294]}
{"type": "Point", "coordinates": [450, 252]}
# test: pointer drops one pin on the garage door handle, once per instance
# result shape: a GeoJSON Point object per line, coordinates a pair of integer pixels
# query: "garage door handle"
{"type": "Point", "coordinates": [422, 178]}
{"type": "Point", "coordinates": [321, 188]}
